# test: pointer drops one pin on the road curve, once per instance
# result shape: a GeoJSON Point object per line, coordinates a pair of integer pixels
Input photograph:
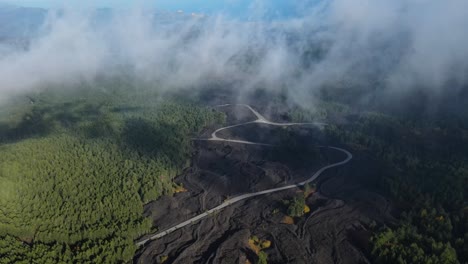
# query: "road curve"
{"type": "Point", "coordinates": [260, 120]}
{"type": "Point", "coordinates": [214, 137]}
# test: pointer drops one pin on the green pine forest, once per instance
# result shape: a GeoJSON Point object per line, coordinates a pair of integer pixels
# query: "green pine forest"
{"type": "Point", "coordinates": [423, 170]}
{"type": "Point", "coordinates": [77, 166]}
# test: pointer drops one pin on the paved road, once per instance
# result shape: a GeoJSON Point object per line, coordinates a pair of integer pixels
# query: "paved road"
{"type": "Point", "coordinates": [260, 119]}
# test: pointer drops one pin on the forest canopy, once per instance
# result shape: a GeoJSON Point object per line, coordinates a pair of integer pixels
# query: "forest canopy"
{"type": "Point", "coordinates": [75, 173]}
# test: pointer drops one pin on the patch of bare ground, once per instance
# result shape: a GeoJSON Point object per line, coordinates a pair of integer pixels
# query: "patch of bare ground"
{"type": "Point", "coordinates": [334, 231]}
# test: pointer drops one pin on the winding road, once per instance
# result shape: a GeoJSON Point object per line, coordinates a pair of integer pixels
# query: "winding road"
{"type": "Point", "coordinates": [262, 120]}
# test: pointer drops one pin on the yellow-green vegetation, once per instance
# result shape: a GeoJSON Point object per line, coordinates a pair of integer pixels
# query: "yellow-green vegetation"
{"type": "Point", "coordinates": [309, 189]}
{"type": "Point", "coordinates": [265, 244]}
{"type": "Point", "coordinates": [163, 259]}
{"type": "Point", "coordinates": [287, 220]}
{"type": "Point", "coordinates": [258, 245]}
{"type": "Point", "coordinates": [254, 244]}
{"type": "Point", "coordinates": [296, 206]}
{"type": "Point", "coordinates": [179, 188]}
{"type": "Point", "coordinates": [262, 258]}
{"type": "Point", "coordinates": [75, 173]}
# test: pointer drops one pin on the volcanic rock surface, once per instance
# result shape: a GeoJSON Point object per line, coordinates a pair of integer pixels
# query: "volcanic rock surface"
{"type": "Point", "coordinates": [334, 231]}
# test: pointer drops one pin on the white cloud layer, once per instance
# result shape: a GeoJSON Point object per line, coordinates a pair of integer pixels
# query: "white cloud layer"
{"type": "Point", "coordinates": [395, 45]}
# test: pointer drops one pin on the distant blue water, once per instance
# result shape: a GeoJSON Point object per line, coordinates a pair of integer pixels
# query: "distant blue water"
{"type": "Point", "coordinates": [234, 8]}
{"type": "Point", "coordinates": [25, 22]}
{"type": "Point", "coordinates": [242, 9]}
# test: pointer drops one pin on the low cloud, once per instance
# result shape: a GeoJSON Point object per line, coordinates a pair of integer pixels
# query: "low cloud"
{"type": "Point", "coordinates": [390, 47]}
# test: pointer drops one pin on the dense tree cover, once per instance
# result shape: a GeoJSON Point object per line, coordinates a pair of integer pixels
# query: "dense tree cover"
{"type": "Point", "coordinates": [75, 174]}
{"type": "Point", "coordinates": [429, 183]}
{"type": "Point", "coordinates": [406, 245]}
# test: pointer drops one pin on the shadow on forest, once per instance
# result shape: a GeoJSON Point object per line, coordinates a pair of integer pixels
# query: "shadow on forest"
{"type": "Point", "coordinates": [163, 141]}
{"type": "Point", "coordinates": [155, 140]}
{"type": "Point", "coordinates": [126, 109]}
{"type": "Point", "coordinates": [43, 120]}
{"type": "Point", "coordinates": [33, 124]}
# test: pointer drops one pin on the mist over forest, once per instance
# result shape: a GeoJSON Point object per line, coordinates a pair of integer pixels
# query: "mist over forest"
{"type": "Point", "coordinates": [370, 51]}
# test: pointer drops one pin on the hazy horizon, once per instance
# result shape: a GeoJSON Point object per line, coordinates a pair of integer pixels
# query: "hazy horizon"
{"type": "Point", "coordinates": [237, 8]}
{"type": "Point", "coordinates": [375, 48]}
